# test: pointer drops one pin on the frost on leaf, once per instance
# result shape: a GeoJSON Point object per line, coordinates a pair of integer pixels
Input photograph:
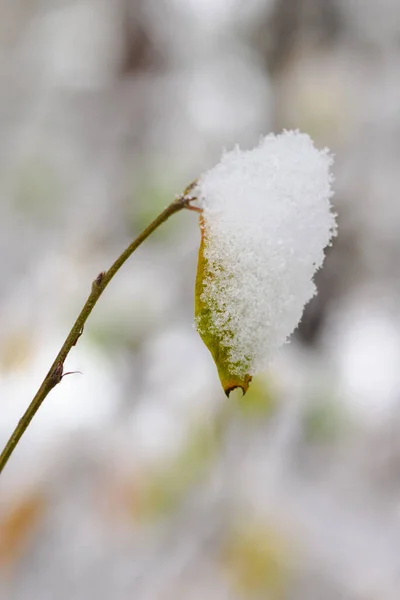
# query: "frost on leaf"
{"type": "Point", "coordinates": [265, 220]}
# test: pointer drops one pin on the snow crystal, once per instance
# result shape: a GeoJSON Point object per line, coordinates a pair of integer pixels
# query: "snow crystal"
{"type": "Point", "coordinates": [267, 219]}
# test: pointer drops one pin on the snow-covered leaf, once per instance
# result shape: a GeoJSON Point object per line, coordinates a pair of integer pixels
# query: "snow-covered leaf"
{"type": "Point", "coordinates": [265, 221]}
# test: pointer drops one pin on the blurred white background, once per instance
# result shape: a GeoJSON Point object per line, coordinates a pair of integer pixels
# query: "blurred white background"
{"type": "Point", "coordinates": [137, 479]}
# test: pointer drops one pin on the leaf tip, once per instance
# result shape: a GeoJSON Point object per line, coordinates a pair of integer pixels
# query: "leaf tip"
{"type": "Point", "coordinates": [232, 385]}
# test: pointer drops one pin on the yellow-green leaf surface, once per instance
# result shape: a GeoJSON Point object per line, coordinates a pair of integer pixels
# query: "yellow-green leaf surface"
{"type": "Point", "coordinates": [227, 370]}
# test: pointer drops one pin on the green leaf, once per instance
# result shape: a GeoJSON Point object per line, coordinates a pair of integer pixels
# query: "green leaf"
{"type": "Point", "coordinates": [204, 314]}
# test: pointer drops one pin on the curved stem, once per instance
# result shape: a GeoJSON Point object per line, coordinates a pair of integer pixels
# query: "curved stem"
{"type": "Point", "coordinates": [55, 373]}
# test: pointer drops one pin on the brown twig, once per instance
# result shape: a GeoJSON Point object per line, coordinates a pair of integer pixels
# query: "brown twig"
{"type": "Point", "coordinates": [55, 374]}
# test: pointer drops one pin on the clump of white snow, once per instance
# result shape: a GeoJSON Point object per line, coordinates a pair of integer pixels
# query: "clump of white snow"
{"type": "Point", "coordinates": [267, 219]}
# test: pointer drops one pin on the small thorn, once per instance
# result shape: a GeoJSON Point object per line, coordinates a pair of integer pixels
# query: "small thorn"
{"type": "Point", "coordinates": [71, 373]}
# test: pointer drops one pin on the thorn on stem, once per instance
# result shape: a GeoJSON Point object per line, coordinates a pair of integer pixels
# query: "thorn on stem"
{"type": "Point", "coordinates": [71, 373]}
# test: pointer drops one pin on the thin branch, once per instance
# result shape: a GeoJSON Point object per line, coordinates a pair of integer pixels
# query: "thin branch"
{"type": "Point", "coordinates": [56, 370]}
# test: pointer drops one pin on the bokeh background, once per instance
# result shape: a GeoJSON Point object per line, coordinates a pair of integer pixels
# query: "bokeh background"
{"type": "Point", "coordinates": [137, 479]}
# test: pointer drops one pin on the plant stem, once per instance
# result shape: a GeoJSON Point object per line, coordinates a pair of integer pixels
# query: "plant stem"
{"type": "Point", "coordinates": [55, 373]}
